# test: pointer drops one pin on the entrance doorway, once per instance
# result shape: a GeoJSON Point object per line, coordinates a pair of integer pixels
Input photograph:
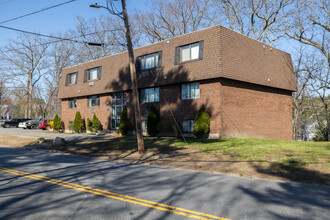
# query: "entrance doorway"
{"type": "Point", "coordinates": [118, 102]}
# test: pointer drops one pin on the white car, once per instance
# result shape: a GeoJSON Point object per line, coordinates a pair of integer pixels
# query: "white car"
{"type": "Point", "coordinates": [22, 125]}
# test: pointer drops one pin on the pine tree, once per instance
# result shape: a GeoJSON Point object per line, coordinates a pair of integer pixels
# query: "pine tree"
{"type": "Point", "coordinates": [96, 123]}
{"type": "Point", "coordinates": [78, 123]}
{"type": "Point", "coordinates": [153, 121]}
{"type": "Point", "coordinates": [201, 123]}
{"type": "Point", "coordinates": [57, 123]}
{"type": "Point", "coordinates": [89, 125]}
{"type": "Point", "coordinates": [124, 124]}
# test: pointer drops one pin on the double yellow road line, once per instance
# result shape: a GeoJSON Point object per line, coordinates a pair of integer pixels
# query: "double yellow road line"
{"type": "Point", "coordinates": [142, 202]}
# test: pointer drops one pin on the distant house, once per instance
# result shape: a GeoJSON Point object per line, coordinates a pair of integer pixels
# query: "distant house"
{"type": "Point", "coordinates": [245, 85]}
{"type": "Point", "coordinates": [6, 112]}
{"type": "Point", "coordinates": [307, 129]}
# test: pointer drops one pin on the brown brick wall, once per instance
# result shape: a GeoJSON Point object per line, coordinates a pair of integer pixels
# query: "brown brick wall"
{"type": "Point", "coordinates": [226, 54]}
{"type": "Point", "coordinates": [237, 109]}
{"type": "Point", "coordinates": [248, 110]}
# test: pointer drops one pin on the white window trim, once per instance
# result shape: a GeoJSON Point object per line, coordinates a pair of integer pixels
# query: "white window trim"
{"type": "Point", "coordinates": [190, 52]}
{"type": "Point", "coordinates": [143, 61]}
{"type": "Point", "coordinates": [154, 92]}
{"type": "Point", "coordinates": [89, 74]}
{"type": "Point", "coordinates": [190, 86]}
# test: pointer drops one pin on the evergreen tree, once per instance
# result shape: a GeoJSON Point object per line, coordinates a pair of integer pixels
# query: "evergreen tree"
{"type": "Point", "coordinates": [57, 123]}
{"type": "Point", "coordinates": [124, 124]}
{"type": "Point", "coordinates": [96, 123]}
{"type": "Point", "coordinates": [153, 121]}
{"type": "Point", "coordinates": [89, 125]}
{"type": "Point", "coordinates": [201, 123]}
{"type": "Point", "coordinates": [78, 123]}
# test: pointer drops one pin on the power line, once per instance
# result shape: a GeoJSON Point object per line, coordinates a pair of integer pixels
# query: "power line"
{"type": "Point", "coordinates": [5, 2]}
{"type": "Point", "coordinates": [63, 39]}
{"type": "Point", "coordinates": [35, 12]}
{"type": "Point", "coordinates": [58, 38]}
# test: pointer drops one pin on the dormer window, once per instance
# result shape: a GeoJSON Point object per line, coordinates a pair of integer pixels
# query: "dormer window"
{"type": "Point", "coordinates": [150, 61]}
{"type": "Point", "coordinates": [93, 74]}
{"type": "Point", "coordinates": [71, 79]}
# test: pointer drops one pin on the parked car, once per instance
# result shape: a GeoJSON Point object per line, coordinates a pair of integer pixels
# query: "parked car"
{"type": "Point", "coordinates": [22, 125]}
{"type": "Point", "coordinates": [14, 122]}
{"type": "Point", "coordinates": [1, 122]}
{"type": "Point", "coordinates": [45, 124]}
{"type": "Point", "coordinates": [32, 124]}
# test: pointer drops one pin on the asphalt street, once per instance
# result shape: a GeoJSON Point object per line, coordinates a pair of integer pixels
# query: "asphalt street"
{"type": "Point", "coordinates": [41, 133]}
{"type": "Point", "coordinates": [26, 196]}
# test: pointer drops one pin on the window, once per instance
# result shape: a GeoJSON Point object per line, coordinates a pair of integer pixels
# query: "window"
{"type": "Point", "coordinates": [150, 95]}
{"type": "Point", "coordinates": [190, 91]}
{"type": "Point", "coordinates": [144, 125]}
{"type": "Point", "coordinates": [92, 74]}
{"type": "Point", "coordinates": [189, 52]}
{"type": "Point", "coordinates": [93, 101]}
{"type": "Point", "coordinates": [149, 61]}
{"type": "Point", "coordinates": [72, 78]}
{"type": "Point", "coordinates": [73, 103]}
{"type": "Point", "coordinates": [188, 125]}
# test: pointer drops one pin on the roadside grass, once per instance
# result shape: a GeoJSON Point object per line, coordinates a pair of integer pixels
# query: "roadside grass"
{"type": "Point", "coordinates": [17, 141]}
{"type": "Point", "coordinates": [250, 157]}
{"type": "Point", "coordinates": [291, 153]}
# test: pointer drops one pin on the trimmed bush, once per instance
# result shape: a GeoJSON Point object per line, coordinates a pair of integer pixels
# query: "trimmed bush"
{"type": "Point", "coordinates": [89, 125]}
{"type": "Point", "coordinates": [78, 123]}
{"type": "Point", "coordinates": [153, 121]}
{"type": "Point", "coordinates": [124, 124]}
{"type": "Point", "coordinates": [96, 123]}
{"type": "Point", "coordinates": [57, 123]}
{"type": "Point", "coordinates": [201, 123]}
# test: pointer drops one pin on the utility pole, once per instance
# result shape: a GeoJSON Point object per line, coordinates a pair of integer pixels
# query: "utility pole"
{"type": "Point", "coordinates": [136, 103]}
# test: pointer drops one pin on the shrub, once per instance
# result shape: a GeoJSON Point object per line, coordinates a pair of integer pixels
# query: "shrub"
{"type": "Point", "coordinates": [89, 125]}
{"type": "Point", "coordinates": [201, 123]}
{"type": "Point", "coordinates": [321, 133]}
{"type": "Point", "coordinates": [96, 123]}
{"type": "Point", "coordinates": [124, 124]}
{"type": "Point", "coordinates": [78, 123]}
{"type": "Point", "coordinates": [153, 121]}
{"type": "Point", "coordinates": [57, 123]}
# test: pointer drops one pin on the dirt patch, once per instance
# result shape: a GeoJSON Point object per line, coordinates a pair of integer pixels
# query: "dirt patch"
{"type": "Point", "coordinates": [17, 141]}
{"type": "Point", "coordinates": [162, 153]}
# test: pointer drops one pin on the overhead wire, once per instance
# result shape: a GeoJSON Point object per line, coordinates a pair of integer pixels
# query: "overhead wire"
{"type": "Point", "coordinates": [35, 12]}
{"type": "Point", "coordinates": [67, 39]}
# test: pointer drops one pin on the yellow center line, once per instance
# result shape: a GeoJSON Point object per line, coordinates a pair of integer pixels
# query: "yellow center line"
{"type": "Point", "coordinates": [142, 202]}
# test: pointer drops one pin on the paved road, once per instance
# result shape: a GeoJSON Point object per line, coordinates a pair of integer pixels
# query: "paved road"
{"type": "Point", "coordinates": [33, 197]}
{"type": "Point", "coordinates": [41, 133]}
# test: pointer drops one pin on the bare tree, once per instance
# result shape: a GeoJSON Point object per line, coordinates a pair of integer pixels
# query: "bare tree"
{"type": "Point", "coordinates": [263, 20]}
{"type": "Point", "coordinates": [25, 64]}
{"type": "Point", "coordinates": [60, 56]}
{"type": "Point", "coordinates": [310, 25]}
{"type": "Point", "coordinates": [166, 19]}
{"type": "Point", "coordinates": [108, 31]}
{"type": "Point", "coordinates": [299, 98]}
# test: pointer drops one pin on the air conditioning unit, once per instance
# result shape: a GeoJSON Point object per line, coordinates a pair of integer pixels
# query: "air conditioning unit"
{"type": "Point", "coordinates": [91, 83]}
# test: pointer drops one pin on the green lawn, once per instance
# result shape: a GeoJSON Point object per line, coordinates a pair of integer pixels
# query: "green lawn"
{"type": "Point", "coordinates": [255, 149]}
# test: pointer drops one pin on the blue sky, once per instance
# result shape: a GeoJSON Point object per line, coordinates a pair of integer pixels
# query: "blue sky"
{"type": "Point", "coordinates": [62, 18]}
{"type": "Point", "coordinates": [54, 20]}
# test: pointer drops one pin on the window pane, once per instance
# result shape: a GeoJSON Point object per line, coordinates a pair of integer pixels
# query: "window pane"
{"type": "Point", "coordinates": [150, 61]}
{"type": "Point", "coordinates": [157, 94]}
{"type": "Point", "coordinates": [184, 91]}
{"type": "Point", "coordinates": [93, 74]}
{"type": "Point", "coordinates": [185, 53]}
{"type": "Point", "coordinates": [194, 51]}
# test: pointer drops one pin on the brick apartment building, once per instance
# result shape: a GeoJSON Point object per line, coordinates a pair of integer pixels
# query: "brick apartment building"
{"type": "Point", "coordinates": [245, 85]}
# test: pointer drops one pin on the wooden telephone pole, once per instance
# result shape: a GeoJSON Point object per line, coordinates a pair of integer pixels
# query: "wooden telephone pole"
{"type": "Point", "coordinates": [123, 15]}
{"type": "Point", "coordinates": [134, 82]}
